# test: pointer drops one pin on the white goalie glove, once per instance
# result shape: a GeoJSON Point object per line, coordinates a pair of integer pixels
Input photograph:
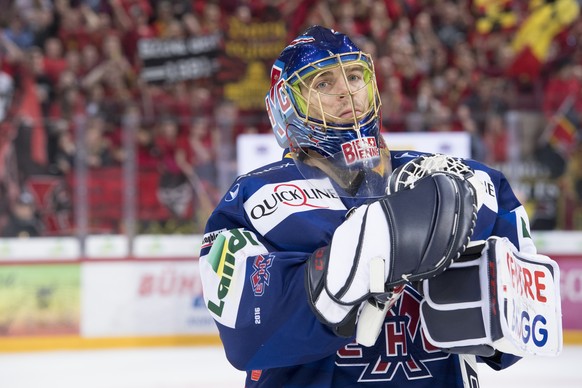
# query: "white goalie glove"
{"type": "Point", "coordinates": [409, 235]}
{"type": "Point", "coordinates": [500, 299]}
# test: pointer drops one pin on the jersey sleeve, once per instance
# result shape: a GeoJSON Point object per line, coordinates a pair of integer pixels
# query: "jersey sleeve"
{"type": "Point", "coordinates": [257, 297]}
{"type": "Point", "coordinates": [512, 219]}
{"type": "Point", "coordinates": [502, 214]}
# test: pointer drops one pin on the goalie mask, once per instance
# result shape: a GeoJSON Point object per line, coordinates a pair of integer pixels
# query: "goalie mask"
{"type": "Point", "coordinates": [324, 106]}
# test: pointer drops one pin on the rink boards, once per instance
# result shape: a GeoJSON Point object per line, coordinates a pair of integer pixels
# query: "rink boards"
{"type": "Point", "coordinates": [52, 298]}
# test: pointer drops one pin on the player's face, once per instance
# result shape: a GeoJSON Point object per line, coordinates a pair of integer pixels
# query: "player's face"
{"type": "Point", "coordinates": [338, 94]}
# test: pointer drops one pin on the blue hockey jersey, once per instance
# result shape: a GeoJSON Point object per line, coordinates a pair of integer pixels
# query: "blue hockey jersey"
{"type": "Point", "coordinates": [252, 265]}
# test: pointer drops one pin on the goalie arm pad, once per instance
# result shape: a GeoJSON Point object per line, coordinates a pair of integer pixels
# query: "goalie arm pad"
{"type": "Point", "coordinates": [503, 300]}
{"type": "Point", "coordinates": [406, 236]}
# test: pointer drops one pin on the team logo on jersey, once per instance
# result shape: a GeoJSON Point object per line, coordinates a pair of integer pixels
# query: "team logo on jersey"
{"type": "Point", "coordinates": [273, 203]}
{"type": "Point", "coordinates": [261, 276]}
{"type": "Point", "coordinates": [402, 350]}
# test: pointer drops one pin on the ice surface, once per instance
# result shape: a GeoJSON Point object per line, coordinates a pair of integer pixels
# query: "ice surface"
{"type": "Point", "coordinates": [207, 367]}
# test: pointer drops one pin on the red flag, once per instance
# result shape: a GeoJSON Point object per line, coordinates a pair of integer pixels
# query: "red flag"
{"type": "Point", "coordinates": [562, 132]}
{"type": "Point", "coordinates": [533, 40]}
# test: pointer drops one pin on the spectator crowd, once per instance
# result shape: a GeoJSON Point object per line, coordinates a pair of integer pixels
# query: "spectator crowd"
{"type": "Point", "coordinates": [75, 111]}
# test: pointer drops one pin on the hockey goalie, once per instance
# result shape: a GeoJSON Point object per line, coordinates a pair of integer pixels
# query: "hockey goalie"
{"type": "Point", "coordinates": [345, 264]}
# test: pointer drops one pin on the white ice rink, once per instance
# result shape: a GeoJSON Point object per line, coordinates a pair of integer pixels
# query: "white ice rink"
{"type": "Point", "coordinates": [206, 367]}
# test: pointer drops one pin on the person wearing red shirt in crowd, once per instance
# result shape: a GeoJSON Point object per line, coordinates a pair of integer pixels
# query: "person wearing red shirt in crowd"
{"type": "Point", "coordinates": [562, 84]}
{"type": "Point", "coordinates": [133, 26]}
{"type": "Point", "coordinates": [74, 30]}
{"type": "Point", "coordinates": [174, 190]}
{"type": "Point", "coordinates": [54, 62]}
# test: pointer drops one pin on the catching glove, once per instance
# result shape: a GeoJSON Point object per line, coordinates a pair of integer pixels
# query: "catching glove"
{"type": "Point", "coordinates": [410, 235]}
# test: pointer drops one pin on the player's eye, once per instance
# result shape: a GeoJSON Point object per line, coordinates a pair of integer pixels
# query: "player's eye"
{"type": "Point", "coordinates": [355, 76]}
{"type": "Point", "coordinates": [322, 85]}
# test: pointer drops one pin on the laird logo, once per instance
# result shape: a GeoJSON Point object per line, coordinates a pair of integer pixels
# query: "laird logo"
{"type": "Point", "coordinates": [360, 149]}
{"type": "Point", "coordinates": [222, 259]}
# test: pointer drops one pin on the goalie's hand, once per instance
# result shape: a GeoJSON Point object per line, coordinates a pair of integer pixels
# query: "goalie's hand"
{"type": "Point", "coordinates": [410, 235]}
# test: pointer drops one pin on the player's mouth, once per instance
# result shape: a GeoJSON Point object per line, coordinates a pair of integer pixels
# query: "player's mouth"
{"type": "Point", "coordinates": [349, 114]}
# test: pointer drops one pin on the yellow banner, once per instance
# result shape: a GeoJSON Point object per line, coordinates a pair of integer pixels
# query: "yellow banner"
{"type": "Point", "coordinates": [542, 26]}
{"type": "Point", "coordinates": [39, 300]}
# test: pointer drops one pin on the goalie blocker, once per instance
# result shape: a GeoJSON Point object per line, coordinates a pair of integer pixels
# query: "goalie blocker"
{"type": "Point", "coordinates": [516, 310]}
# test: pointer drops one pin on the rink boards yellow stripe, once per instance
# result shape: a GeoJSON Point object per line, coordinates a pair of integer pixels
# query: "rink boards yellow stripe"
{"type": "Point", "coordinates": [572, 337]}
{"type": "Point", "coordinates": [29, 344]}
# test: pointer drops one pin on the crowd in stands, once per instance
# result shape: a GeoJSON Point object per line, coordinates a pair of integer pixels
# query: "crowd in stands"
{"type": "Point", "coordinates": [71, 93]}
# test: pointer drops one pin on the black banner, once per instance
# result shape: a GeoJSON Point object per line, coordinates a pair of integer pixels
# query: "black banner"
{"type": "Point", "coordinates": [172, 60]}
